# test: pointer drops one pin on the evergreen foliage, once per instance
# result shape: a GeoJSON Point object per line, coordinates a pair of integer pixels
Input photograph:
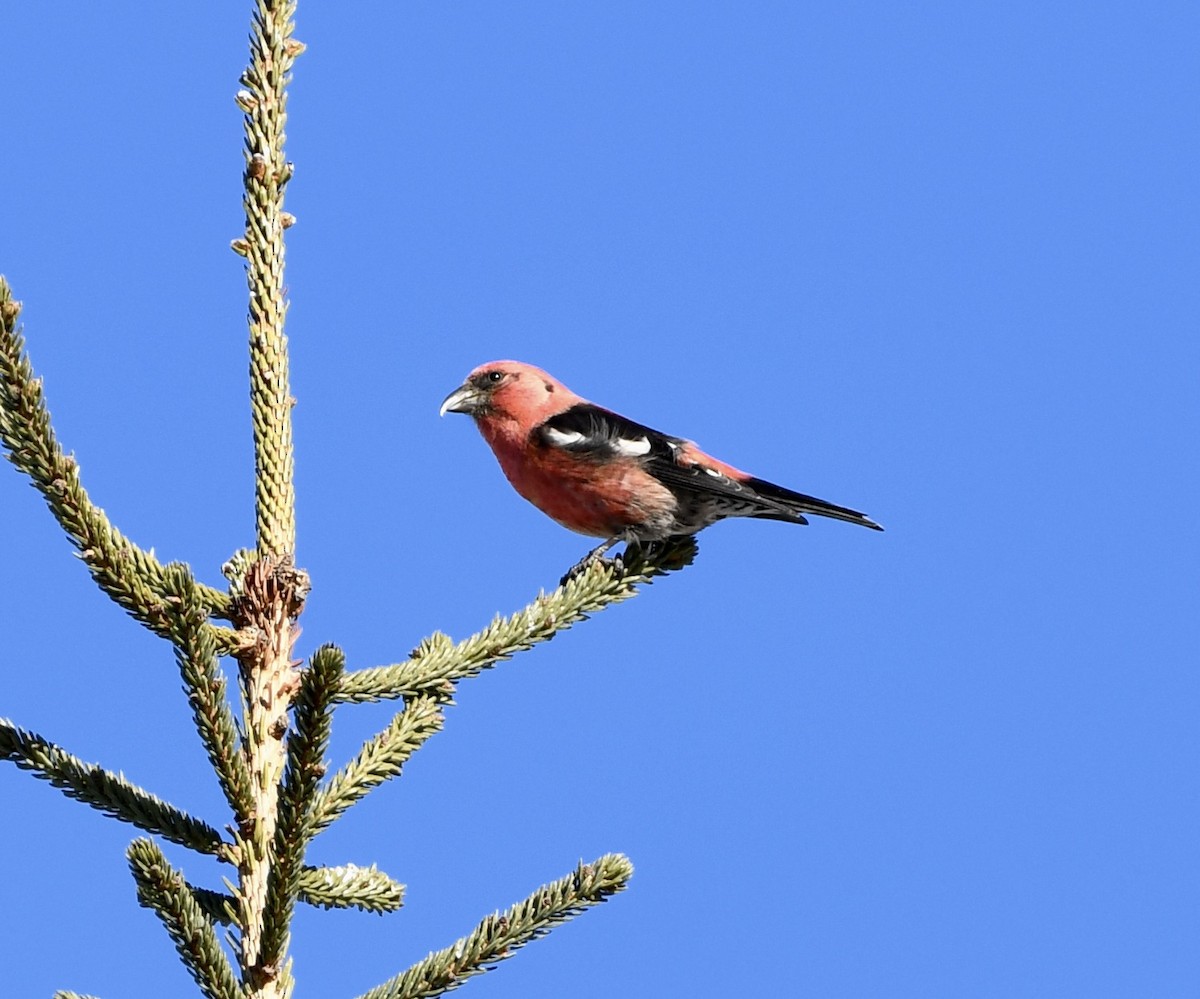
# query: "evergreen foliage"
{"type": "Point", "coordinates": [271, 764]}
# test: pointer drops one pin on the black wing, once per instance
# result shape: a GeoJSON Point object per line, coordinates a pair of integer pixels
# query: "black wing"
{"type": "Point", "coordinates": [589, 429]}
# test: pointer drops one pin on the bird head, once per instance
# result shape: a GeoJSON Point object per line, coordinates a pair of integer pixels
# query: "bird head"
{"type": "Point", "coordinates": [502, 390]}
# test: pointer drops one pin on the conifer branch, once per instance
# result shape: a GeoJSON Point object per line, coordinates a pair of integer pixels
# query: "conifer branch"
{"type": "Point", "coordinates": [109, 792]}
{"type": "Point", "coordinates": [305, 767]}
{"type": "Point", "coordinates": [161, 888]}
{"type": "Point", "coordinates": [346, 887]}
{"type": "Point", "coordinates": [270, 599]}
{"type": "Point", "coordinates": [500, 935]}
{"type": "Point", "coordinates": [264, 101]}
{"type": "Point", "coordinates": [437, 663]}
{"type": "Point", "coordinates": [350, 886]}
{"type": "Point", "coordinates": [196, 653]}
{"type": "Point", "coordinates": [380, 759]}
{"type": "Point", "coordinates": [131, 576]}
{"type": "Point", "coordinates": [273, 591]}
{"type": "Point", "coordinates": [218, 906]}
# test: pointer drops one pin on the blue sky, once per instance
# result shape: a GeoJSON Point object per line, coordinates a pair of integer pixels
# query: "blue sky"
{"type": "Point", "coordinates": [936, 261]}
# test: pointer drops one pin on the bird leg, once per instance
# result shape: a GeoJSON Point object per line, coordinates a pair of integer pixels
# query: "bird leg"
{"type": "Point", "coordinates": [590, 559]}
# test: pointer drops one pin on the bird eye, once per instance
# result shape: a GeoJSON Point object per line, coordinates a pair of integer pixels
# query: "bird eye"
{"type": "Point", "coordinates": [495, 376]}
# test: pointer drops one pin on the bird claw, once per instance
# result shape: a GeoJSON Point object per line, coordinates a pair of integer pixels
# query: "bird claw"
{"type": "Point", "coordinates": [590, 559]}
{"type": "Point", "coordinates": [654, 558]}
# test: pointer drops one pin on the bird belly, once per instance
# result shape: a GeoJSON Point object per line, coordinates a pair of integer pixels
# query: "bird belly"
{"type": "Point", "coordinates": [610, 499]}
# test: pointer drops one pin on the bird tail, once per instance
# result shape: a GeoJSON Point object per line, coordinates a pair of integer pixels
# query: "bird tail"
{"type": "Point", "coordinates": [784, 504]}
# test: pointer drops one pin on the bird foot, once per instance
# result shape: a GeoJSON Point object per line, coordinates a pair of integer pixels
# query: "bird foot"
{"type": "Point", "coordinates": [654, 558]}
{"type": "Point", "coordinates": [649, 558]}
{"type": "Point", "coordinates": [589, 560]}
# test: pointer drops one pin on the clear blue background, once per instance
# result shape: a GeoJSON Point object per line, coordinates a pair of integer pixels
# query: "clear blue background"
{"type": "Point", "coordinates": [935, 261]}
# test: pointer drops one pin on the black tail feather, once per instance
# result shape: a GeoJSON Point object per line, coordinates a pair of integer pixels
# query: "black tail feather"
{"type": "Point", "coordinates": [793, 506]}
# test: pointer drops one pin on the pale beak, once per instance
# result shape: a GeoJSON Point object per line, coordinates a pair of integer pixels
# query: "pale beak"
{"type": "Point", "coordinates": [464, 399]}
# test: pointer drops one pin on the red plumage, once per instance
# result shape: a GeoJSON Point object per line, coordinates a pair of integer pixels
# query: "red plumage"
{"type": "Point", "coordinates": [605, 476]}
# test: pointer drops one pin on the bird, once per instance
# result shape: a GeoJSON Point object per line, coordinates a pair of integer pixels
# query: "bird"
{"type": "Point", "coordinates": [605, 476]}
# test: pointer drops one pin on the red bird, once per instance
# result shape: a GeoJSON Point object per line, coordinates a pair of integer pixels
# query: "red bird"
{"type": "Point", "coordinates": [602, 475]}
